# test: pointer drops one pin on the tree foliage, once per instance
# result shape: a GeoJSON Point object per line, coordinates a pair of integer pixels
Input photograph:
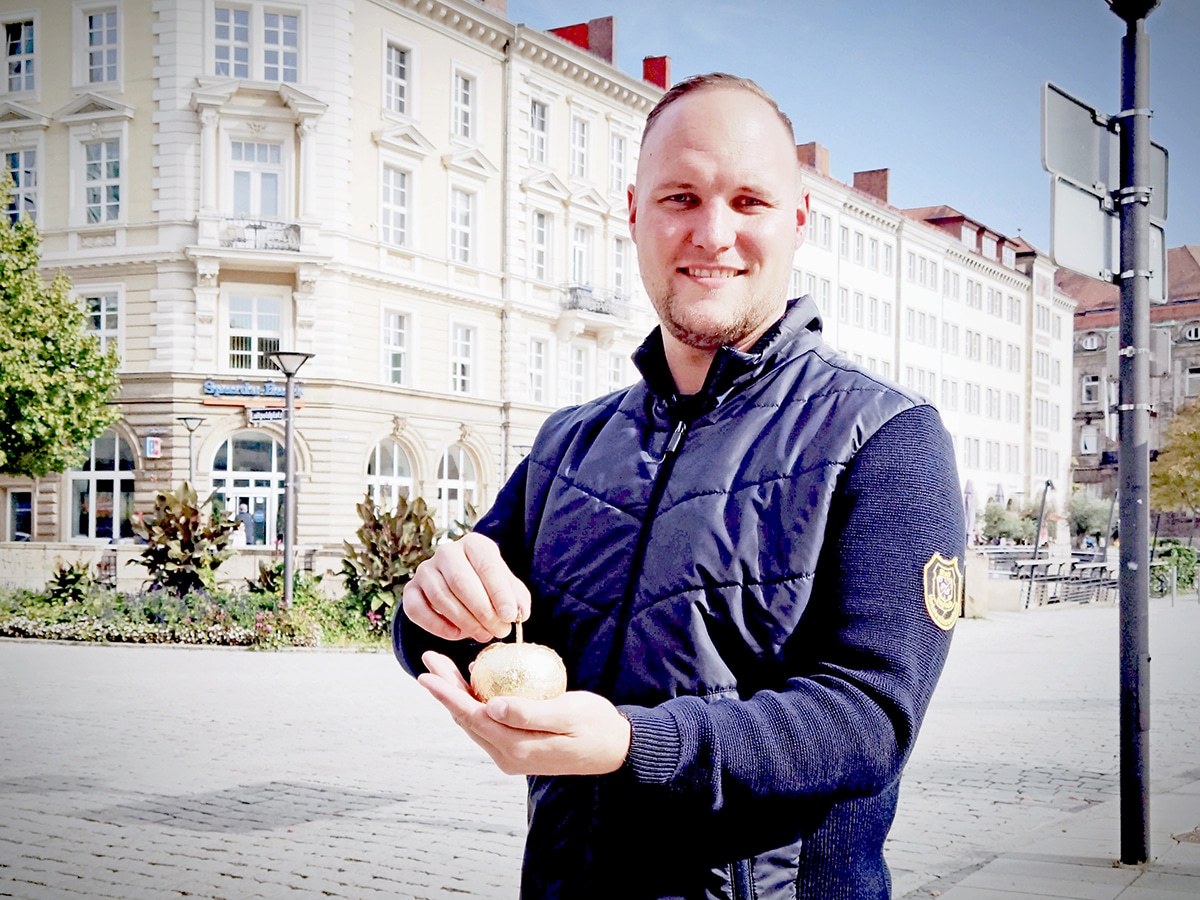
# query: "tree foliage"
{"type": "Point", "coordinates": [1087, 516]}
{"type": "Point", "coordinates": [56, 386]}
{"type": "Point", "coordinates": [1175, 475]}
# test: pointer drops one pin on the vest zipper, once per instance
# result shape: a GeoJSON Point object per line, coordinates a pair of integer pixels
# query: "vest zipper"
{"type": "Point", "coordinates": [625, 610]}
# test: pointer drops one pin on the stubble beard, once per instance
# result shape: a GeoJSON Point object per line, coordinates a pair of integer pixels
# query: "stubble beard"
{"type": "Point", "coordinates": [752, 315]}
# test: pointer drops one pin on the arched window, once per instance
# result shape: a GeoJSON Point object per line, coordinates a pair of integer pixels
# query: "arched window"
{"type": "Point", "coordinates": [102, 490]}
{"type": "Point", "coordinates": [389, 474]}
{"type": "Point", "coordinates": [248, 477]}
{"type": "Point", "coordinates": [456, 486]}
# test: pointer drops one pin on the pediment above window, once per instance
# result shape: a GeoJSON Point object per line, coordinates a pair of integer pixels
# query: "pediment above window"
{"type": "Point", "coordinates": [548, 184]}
{"type": "Point", "coordinates": [93, 108]}
{"type": "Point", "coordinates": [404, 139]}
{"type": "Point", "coordinates": [14, 116]}
{"type": "Point", "coordinates": [469, 161]}
{"type": "Point", "coordinates": [591, 198]}
{"type": "Point", "coordinates": [248, 98]}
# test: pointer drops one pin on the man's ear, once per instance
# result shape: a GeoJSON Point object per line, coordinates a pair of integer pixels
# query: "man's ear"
{"type": "Point", "coordinates": [632, 205]}
{"type": "Point", "coordinates": [802, 212]}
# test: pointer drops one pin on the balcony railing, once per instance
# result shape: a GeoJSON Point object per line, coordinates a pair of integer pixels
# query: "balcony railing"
{"type": "Point", "coordinates": [260, 234]}
{"type": "Point", "coordinates": [589, 299]}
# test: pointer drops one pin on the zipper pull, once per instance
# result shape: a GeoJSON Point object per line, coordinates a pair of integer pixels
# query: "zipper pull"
{"type": "Point", "coordinates": [676, 438]}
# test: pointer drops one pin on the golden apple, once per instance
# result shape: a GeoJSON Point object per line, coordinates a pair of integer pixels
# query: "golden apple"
{"type": "Point", "coordinates": [518, 670]}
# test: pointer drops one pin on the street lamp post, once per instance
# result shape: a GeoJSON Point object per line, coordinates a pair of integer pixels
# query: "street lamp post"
{"type": "Point", "coordinates": [289, 362]}
{"type": "Point", "coordinates": [191, 423]}
{"type": "Point", "coordinates": [1037, 538]}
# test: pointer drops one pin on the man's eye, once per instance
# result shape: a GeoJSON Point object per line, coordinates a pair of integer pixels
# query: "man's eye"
{"type": "Point", "coordinates": [680, 198]}
{"type": "Point", "coordinates": [749, 201]}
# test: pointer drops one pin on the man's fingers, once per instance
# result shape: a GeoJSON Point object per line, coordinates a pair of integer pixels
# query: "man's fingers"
{"type": "Point", "coordinates": [508, 596]}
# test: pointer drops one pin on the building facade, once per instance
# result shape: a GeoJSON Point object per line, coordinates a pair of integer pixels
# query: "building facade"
{"type": "Point", "coordinates": [431, 200]}
{"type": "Point", "coordinates": [1174, 365]}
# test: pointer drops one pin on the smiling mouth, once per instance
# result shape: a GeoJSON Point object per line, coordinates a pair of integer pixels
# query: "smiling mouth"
{"type": "Point", "coordinates": [694, 272]}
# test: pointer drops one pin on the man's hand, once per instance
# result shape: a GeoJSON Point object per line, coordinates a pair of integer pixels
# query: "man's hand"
{"type": "Point", "coordinates": [579, 733]}
{"type": "Point", "coordinates": [466, 590]}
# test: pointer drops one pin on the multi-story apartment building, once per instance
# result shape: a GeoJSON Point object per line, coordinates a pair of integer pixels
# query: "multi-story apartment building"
{"type": "Point", "coordinates": [954, 310]}
{"type": "Point", "coordinates": [1174, 364]}
{"type": "Point", "coordinates": [427, 197]}
{"type": "Point", "coordinates": [431, 200]}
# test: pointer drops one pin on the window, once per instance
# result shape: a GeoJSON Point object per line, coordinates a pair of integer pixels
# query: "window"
{"type": "Point", "coordinates": [457, 488]}
{"type": "Point", "coordinates": [463, 108]}
{"type": "Point", "coordinates": [581, 255]}
{"type": "Point", "coordinates": [103, 45]}
{"type": "Point", "coordinates": [461, 207]}
{"type": "Point", "coordinates": [873, 315]}
{"type": "Point", "coordinates": [994, 350]}
{"type": "Point", "coordinates": [950, 393]}
{"type": "Point", "coordinates": [250, 42]}
{"type": "Point", "coordinates": [389, 475]}
{"type": "Point", "coordinates": [1056, 371]}
{"type": "Point", "coordinates": [826, 231]}
{"type": "Point", "coordinates": [843, 304]}
{"type": "Point", "coordinates": [950, 338]}
{"type": "Point", "coordinates": [576, 374]}
{"type": "Point", "coordinates": [1089, 389]}
{"type": "Point", "coordinates": [1089, 440]}
{"type": "Point", "coordinates": [103, 318]}
{"type": "Point", "coordinates": [1008, 256]}
{"type": "Point", "coordinates": [102, 490]}
{"type": "Point", "coordinates": [1041, 362]}
{"type": "Point", "coordinates": [537, 370]}
{"type": "Point", "coordinates": [393, 216]}
{"type": "Point", "coordinates": [231, 42]}
{"type": "Point", "coordinates": [993, 403]}
{"type": "Point", "coordinates": [395, 91]}
{"type": "Point", "coordinates": [1013, 407]}
{"type": "Point", "coordinates": [887, 323]}
{"type": "Point", "coordinates": [873, 253]}
{"type": "Point", "coordinates": [281, 47]}
{"type": "Point", "coordinates": [395, 347]}
{"type": "Point", "coordinates": [810, 286]}
{"type": "Point", "coordinates": [18, 55]}
{"type": "Point", "coordinates": [858, 308]}
{"type": "Point", "coordinates": [257, 169]}
{"type": "Point", "coordinates": [620, 267]}
{"type": "Point", "coordinates": [539, 123]}
{"type": "Point", "coordinates": [1191, 386]}
{"type": "Point", "coordinates": [255, 329]}
{"type": "Point", "coordinates": [912, 267]}
{"type": "Point", "coordinates": [248, 479]}
{"type": "Point", "coordinates": [616, 372]}
{"type": "Point", "coordinates": [579, 147]}
{"type": "Point", "coordinates": [826, 287]}
{"type": "Point", "coordinates": [858, 247]}
{"type": "Point", "coordinates": [1014, 309]}
{"type": "Point", "coordinates": [617, 180]}
{"type": "Point", "coordinates": [844, 242]}
{"type": "Point", "coordinates": [887, 259]}
{"type": "Point", "coordinates": [20, 516]}
{"type": "Point", "coordinates": [462, 359]}
{"type": "Point", "coordinates": [102, 180]}
{"type": "Point", "coordinates": [1191, 333]}
{"type": "Point", "coordinates": [539, 246]}
{"type": "Point", "coordinates": [21, 166]}
{"type": "Point", "coordinates": [1091, 341]}
{"type": "Point", "coordinates": [987, 245]}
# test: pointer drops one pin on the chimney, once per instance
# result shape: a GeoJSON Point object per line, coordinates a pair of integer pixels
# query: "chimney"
{"type": "Point", "coordinates": [602, 38]}
{"type": "Point", "coordinates": [576, 34]}
{"type": "Point", "coordinates": [873, 182]}
{"type": "Point", "coordinates": [657, 71]}
{"type": "Point", "coordinates": [814, 156]}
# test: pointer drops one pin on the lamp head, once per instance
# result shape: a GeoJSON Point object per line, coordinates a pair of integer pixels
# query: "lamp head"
{"type": "Point", "coordinates": [191, 423]}
{"type": "Point", "coordinates": [289, 361]}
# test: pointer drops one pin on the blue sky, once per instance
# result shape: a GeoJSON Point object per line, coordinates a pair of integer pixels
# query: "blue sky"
{"type": "Point", "coordinates": [944, 93]}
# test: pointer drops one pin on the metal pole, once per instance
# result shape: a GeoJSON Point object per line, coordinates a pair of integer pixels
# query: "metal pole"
{"type": "Point", "coordinates": [1037, 537]}
{"type": "Point", "coordinates": [191, 459]}
{"type": "Point", "coordinates": [1134, 421]}
{"type": "Point", "coordinates": [289, 497]}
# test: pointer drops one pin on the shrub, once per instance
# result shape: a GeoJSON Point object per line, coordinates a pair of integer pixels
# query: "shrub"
{"type": "Point", "coordinates": [184, 548]}
{"type": "Point", "coordinates": [71, 583]}
{"type": "Point", "coordinates": [391, 546]}
{"type": "Point", "coordinates": [1177, 554]}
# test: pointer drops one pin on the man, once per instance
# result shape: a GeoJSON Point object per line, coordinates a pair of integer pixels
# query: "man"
{"type": "Point", "coordinates": [748, 560]}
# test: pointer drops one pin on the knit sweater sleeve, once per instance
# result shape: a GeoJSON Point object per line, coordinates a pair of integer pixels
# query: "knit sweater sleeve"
{"type": "Point", "coordinates": [862, 664]}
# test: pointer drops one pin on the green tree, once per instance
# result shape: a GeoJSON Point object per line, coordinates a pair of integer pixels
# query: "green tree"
{"type": "Point", "coordinates": [1086, 515]}
{"type": "Point", "coordinates": [56, 386]}
{"type": "Point", "coordinates": [1175, 475]}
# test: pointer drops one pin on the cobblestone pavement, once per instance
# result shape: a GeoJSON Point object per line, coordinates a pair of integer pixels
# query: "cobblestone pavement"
{"type": "Point", "coordinates": [137, 772]}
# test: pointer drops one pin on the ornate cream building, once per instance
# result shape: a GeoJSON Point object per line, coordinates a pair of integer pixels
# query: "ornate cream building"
{"type": "Point", "coordinates": [430, 199]}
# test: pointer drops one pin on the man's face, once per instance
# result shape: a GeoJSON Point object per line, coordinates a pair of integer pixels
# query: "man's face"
{"type": "Point", "coordinates": [717, 214]}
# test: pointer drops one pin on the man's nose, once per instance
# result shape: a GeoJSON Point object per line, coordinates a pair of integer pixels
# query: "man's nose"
{"type": "Point", "coordinates": [713, 227]}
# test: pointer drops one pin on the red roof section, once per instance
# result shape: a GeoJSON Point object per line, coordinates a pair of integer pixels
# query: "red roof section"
{"type": "Point", "coordinates": [1098, 302]}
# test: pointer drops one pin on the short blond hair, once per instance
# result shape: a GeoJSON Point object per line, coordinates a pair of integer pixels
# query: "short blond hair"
{"type": "Point", "coordinates": [709, 81]}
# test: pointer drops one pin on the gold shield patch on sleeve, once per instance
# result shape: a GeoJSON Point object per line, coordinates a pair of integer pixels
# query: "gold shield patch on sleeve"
{"type": "Point", "coordinates": [943, 590]}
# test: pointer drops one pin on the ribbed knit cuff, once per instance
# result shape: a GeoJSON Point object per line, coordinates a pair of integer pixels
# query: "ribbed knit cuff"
{"type": "Point", "coordinates": [654, 744]}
